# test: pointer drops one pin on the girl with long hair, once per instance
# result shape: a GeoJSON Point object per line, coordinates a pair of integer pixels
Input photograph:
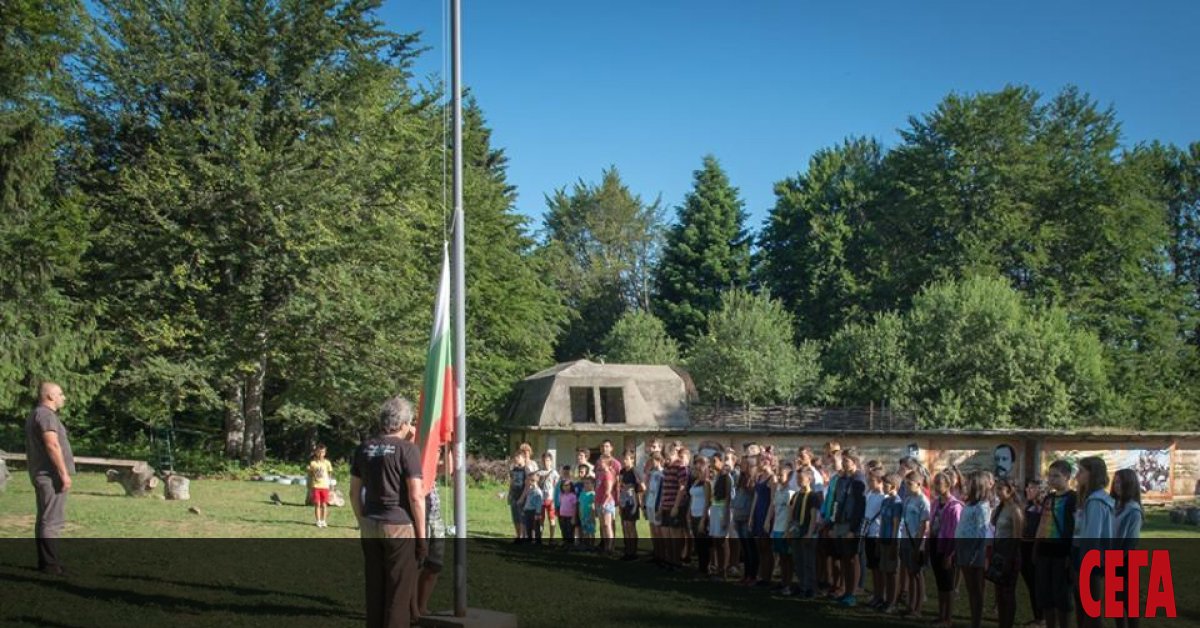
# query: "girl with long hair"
{"type": "Point", "coordinates": [971, 536]}
{"type": "Point", "coordinates": [1127, 493]}
{"type": "Point", "coordinates": [1008, 519]}
{"type": "Point", "coordinates": [947, 510]}
{"type": "Point", "coordinates": [1033, 518]}
{"type": "Point", "coordinates": [741, 509]}
{"type": "Point", "coordinates": [1093, 524]}
{"type": "Point", "coordinates": [699, 499]}
{"type": "Point", "coordinates": [718, 514]}
{"type": "Point", "coordinates": [764, 486]}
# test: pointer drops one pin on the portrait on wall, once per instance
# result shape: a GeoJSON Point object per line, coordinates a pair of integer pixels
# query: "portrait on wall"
{"type": "Point", "coordinates": [1005, 457]}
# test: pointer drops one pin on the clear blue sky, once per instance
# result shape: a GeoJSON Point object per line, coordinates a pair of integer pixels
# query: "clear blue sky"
{"type": "Point", "coordinates": [651, 86]}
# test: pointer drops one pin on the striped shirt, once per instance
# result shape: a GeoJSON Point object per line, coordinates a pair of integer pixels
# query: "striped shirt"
{"type": "Point", "coordinates": [673, 476]}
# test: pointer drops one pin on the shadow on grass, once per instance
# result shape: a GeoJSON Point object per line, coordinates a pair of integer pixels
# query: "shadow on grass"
{"type": "Point", "coordinates": [38, 621]}
{"type": "Point", "coordinates": [161, 601]}
{"type": "Point", "coordinates": [718, 603]}
{"type": "Point", "coordinates": [273, 522]}
{"type": "Point", "coordinates": [234, 589]}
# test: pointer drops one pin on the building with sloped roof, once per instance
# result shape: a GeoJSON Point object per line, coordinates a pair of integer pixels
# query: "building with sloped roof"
{"type": "Point", "coordinates": [578, 405]}
{"type": "Point", "coordinates": [584, 395]}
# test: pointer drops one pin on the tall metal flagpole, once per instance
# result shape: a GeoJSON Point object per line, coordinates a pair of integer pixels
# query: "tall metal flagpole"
{"type": "Point", "coordinates": [459, 294]}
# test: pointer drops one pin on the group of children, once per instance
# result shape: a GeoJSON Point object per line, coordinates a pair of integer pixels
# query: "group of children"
{"type": "Point", "coordinates": [825, 522]}
{"type": "Point", "coordinates": [579, 501]}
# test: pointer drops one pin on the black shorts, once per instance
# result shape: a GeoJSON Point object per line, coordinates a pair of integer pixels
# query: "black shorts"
{"type": "Point", "coordinates": [436, 557]}
{"type": "Point", "coordinates": [872, 550]}
{"type": "Point", "coordinates": [674, 521]}
{"type": "Point", "coordinates": [943, 576]}
{"type": "Point", "coordinates": [912, 558]}
{"type": "Point", "coordinates": [1053, 584]}
{"type": "Point", "coordinates": [845, 547]}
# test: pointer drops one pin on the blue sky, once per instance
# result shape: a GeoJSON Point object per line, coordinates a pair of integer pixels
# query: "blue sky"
{"type": "Point", "coordinates": [651, 86]}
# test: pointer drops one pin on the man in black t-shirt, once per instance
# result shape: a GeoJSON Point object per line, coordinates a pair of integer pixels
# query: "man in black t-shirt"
{"type": "Point", "coordinates": [51, 463]}
{"type": "Point", "coordinates": [388, 499]}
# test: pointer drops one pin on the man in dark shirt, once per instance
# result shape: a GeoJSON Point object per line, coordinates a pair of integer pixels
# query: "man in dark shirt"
{"type": "Point", "coordinates": [51, 463]}
{"type": "Point", "coordinates": [388, 498]}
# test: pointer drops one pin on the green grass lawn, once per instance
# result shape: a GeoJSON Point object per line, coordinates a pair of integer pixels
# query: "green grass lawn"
{"type": "Point", "coordinates": [237, 564]}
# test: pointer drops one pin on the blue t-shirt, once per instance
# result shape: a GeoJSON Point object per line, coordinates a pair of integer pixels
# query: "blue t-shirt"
{"type": "Point", "coordinates": [888, 513]}
{"type": "Point", "coordinates": [762, 492]}
{"type": "Point", "coordinates": [534, 499]}
{"type": "Point", "coordinates": [915, 509]}
{"type": "Point", "coordinates": [587, 505]}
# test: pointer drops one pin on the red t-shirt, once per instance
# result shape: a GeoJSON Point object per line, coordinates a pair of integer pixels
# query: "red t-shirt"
{"type": "Point", "coordinates": [607, 475]}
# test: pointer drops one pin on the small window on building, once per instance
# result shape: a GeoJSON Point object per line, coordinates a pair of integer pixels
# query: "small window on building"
{"type": "Point", "coordinates": [612, 405]}
{"type": "Point", "coordinates": [583, 405]}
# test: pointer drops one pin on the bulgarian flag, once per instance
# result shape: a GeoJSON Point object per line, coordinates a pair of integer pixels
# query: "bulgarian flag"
{"type": "Point", "coordinates": [438, 395]}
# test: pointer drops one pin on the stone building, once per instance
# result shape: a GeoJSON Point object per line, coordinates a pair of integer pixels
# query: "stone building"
{"type": "Point", "coordinates": [580, 404]}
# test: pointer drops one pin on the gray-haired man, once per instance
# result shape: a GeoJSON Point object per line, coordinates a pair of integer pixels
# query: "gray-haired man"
{"type": "Point", "coordinates": [391, 515]}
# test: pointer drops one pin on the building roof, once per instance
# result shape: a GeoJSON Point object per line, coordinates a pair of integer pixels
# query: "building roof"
{"type": "Point", "coordinates": [587, 394]}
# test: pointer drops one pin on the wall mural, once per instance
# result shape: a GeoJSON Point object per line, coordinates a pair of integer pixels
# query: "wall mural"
{"type": "Point", "coordinates": [1002, 460]}
{"type": "Point", "coordinates": [1153, 466]}
{"type": "Point", "coordinates": [709, 448]}
{"type": "Point", "coordinates": [1005, 457]}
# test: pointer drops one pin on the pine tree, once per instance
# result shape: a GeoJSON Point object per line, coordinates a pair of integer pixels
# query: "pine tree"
{"type": "Point", "coordinates": [601, 242]}
{"type": "Point", "coordinates": [707, 252]}
{"type": "Point", "coordinates": [514, 312]}
{"type": "Point", "coordinates": [46, 330]}
{"type": "Point", "coordinates": [231, 143]}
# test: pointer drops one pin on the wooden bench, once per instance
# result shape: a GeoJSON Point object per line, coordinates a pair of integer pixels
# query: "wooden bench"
{"type": "Point", "coordinates": [84, 461]}
{"type": "Point", "coordinates": [135, 476]}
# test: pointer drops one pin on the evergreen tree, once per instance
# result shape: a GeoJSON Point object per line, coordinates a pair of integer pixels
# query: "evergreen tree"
{"type": "Point", "coordinates": [229, 141]}
{"type": "Point", "coordinates": [707, 252]}
{"type": "Point", "coordinates": [514, 311]}
{"type": "Point", "coordinates": [46, 330]}
{"type": "Point", "coordinates": [601, 242]}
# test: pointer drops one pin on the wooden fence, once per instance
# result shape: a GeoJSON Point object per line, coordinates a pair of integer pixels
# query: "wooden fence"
{"type": "Point", "coordinates": [796, 419]}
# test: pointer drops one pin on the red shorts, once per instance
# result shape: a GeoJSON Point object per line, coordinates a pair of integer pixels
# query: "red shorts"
{"type": "Point", "coordinates": [320, 496]}
{"type": "Point", "coordinates": [548, 511]}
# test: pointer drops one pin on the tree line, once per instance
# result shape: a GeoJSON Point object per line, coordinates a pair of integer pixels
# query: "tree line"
{"type": "Point", "coordinates": [226, 218]}
{"type": "Point", "coordinates": [1008, 263]}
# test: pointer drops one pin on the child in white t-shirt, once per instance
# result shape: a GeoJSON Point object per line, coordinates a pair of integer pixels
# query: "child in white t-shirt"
{"type": "Point", "coordinates": [871, 532]}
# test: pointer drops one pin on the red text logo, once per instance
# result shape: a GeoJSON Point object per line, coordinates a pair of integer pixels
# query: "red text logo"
{"type": "Point", "coordinates": [1160, 595]}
